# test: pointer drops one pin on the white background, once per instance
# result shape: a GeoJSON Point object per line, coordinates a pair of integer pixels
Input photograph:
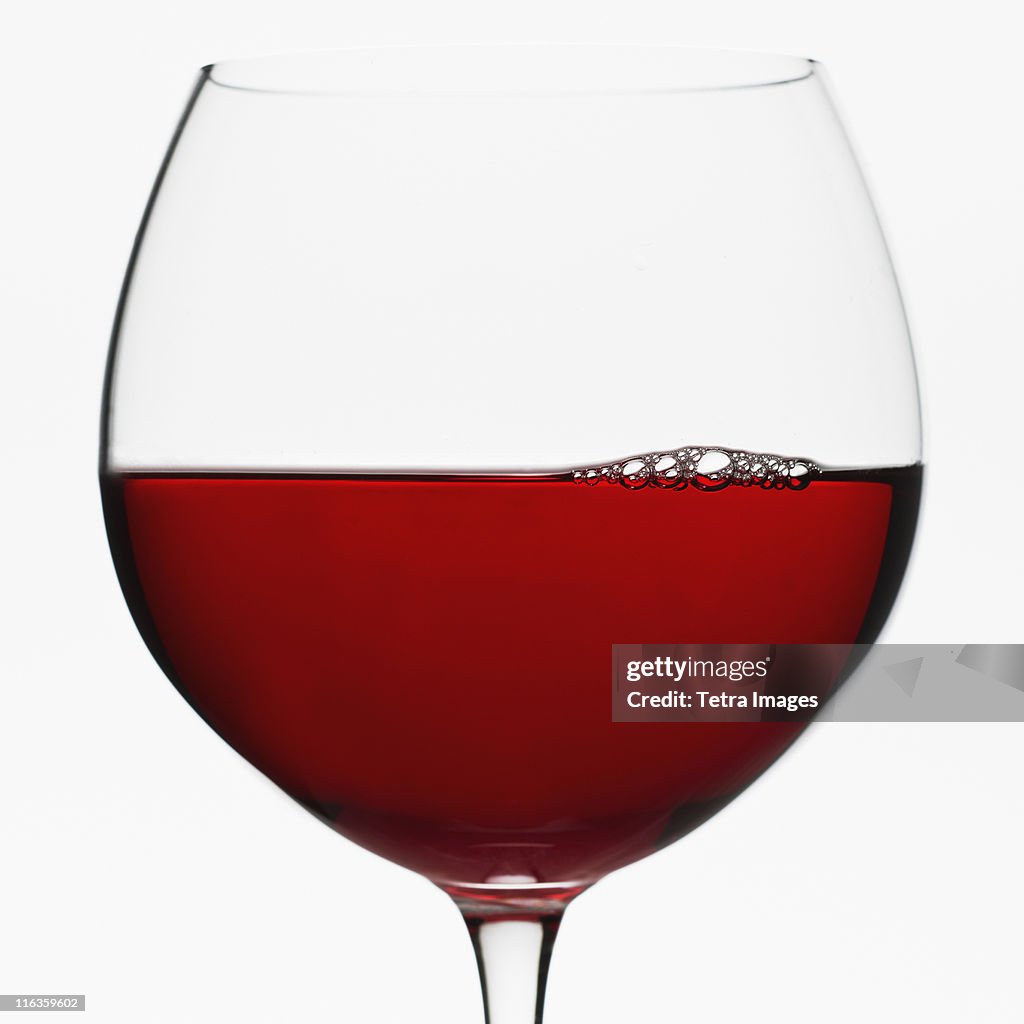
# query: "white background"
{"type": "Point", "coordinates": [874, 873]}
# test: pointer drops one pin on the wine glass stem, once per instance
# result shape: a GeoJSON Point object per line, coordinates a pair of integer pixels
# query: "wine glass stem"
{"type": "Point", "coordinates": [513, 957]}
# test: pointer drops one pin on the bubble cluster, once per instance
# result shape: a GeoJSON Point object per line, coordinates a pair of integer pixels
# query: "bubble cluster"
{"type": "Point", "coordinates": [706, 469]}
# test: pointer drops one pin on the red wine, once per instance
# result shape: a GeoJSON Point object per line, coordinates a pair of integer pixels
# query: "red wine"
{"type": "Point", "coordinates": [424, 661]}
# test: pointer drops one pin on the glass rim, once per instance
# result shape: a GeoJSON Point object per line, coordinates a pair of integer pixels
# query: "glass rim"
{"type": "Point", "coordinates": [509, 70]}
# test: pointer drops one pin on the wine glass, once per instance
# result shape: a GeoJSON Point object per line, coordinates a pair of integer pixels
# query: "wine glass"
{"type": "Point", "coordinates": [437, 372]}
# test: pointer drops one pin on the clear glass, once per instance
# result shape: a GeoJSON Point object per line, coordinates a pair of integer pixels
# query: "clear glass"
{"type": "Point", "coordinates": [379, 295]}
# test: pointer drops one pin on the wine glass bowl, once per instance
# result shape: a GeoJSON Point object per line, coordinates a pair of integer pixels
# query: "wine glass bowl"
{"type": "Point", "coordinates": [439, 371]}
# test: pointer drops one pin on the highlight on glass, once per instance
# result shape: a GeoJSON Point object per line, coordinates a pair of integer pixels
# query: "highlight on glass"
{"type": "Point", "coordinates": [439, 371]}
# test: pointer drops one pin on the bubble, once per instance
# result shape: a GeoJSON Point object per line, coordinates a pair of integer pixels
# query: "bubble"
{"type": "Point", "coordinates": [636, 473]}
{"type": "Point", "coordinates": [713, 461]}
{"type": "Point", "coordinates": [800, 474]}
{"type": "Point", "coordinates": [707, 469]}
{"type": "Point", "coordinates": [668, 471]}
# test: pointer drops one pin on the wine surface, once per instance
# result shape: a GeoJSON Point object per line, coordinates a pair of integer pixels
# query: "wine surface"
{"type": "Point", "coordinates": [424, 661]}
